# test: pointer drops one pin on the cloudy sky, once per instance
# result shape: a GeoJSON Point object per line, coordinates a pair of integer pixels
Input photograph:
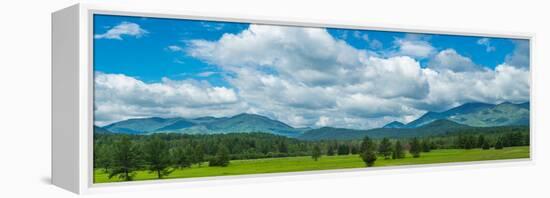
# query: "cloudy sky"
{"type": "Point", "coordinates": [305, 77]}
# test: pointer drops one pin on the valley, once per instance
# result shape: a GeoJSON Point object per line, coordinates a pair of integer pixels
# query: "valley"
{"type": "Point", "coordinates": [304, 163]}
{"type": "Point", "coordinates": [165, 148]}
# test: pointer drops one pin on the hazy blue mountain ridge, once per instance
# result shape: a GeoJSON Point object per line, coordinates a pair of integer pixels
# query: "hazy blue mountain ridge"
{"type": "Point", "coordinates": [438, 127]}
{"type": "Point", "coordinates": [431, 123]}
{"type": "Point", "coordinates": [394, 125]}
{"type": "Point", "coordinates": [204, 125]}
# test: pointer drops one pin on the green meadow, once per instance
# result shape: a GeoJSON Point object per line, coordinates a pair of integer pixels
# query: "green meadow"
{"type": "Point", "coordinates": [306, 163]}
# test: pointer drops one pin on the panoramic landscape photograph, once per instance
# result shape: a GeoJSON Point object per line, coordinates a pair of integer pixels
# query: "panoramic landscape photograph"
{"type": "Point", "coordinates": [177, 98]}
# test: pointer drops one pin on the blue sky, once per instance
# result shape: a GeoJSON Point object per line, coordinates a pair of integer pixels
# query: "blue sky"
{"type": "Point", "coordinates": [148, 57]}
{"type": "Point", "coordinates": [151, 63]}
{"type": "Point", "coordinates": [216, 56]}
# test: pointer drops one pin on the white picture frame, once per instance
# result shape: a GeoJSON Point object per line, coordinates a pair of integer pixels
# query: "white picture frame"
{"type": "Point", "coordinates": [72, 97]}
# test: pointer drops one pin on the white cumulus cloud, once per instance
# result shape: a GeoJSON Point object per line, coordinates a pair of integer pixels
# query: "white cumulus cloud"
{"type": "Point", "coordinates": [521, 54]}
{"type": "Point", "coordinates": [118, 97]}
{"type": "Point", "coordinates": [124, 28]}
{"type": "Point", "coordinates": [449, 59]}
{"type": "Point", "coordinates": [415, 46]}
{"type": "Point", "coordinates": [449, 88]}
{"type": "Point", "coordinates": [306, 77]}
{"type": "Point", "coordinates": [306, 73]}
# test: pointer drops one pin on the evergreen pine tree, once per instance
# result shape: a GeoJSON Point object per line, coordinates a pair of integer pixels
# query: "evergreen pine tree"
{"type": "Point", "coordinates": [181, 157]}
{"type": "Point", "coordinates": [398, 151]}
{"type": "Point", "coordinates": [499, 144]}
{"type": "Point", "coordinates": [486, 145]}
{"type": "Point", "coordinates": [343, 149]}
{"type": "Point", "coordinates": [368, 151]}
{"type": "Point", "coordinates": [330, 150]}
{"type": "Point", "coordinates": [157, 157]}
{"type": "Point", "coordinates": [385, 148]}
{"type": "Point", "coordinates": [316, 152]}
{"type": "Point", "coordinates": [481, 141]}
{"type": "Point", "coordinates": [415, 148]}
{"type": "Point", "coordinates": [221, 158]}
{"type": "Point", "coordinates": [198, 155]}
{"type": "Point", "coordinates": [426, 146]}
{"type": "Point", "coordinates": [125, 160]}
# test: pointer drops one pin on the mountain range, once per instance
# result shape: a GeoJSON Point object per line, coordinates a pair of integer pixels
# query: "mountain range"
{"type": "Point", "coordinates": [479, 115]}
{"type": "Point", "coordinates": [204, 125]}
{"type": "Point", "coordinates": [438, 127]}
{"type": "Point", "coordinates": [431, 123]}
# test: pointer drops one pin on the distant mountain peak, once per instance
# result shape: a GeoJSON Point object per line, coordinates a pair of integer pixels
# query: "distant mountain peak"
{"type": "Point", "coordinates": [479, 114]}
{"type": "Point", "coordinates": [475, 104]}
{"type": "Point", "coordinates": [205, 118]}
{"type": "Point", "coordinates": [469, 107]}
{"type": "Point", "coordinates": [465, 108]}
{"type": "Point", "coordinates": [394, 125]}
{"type": "Point", "coordinates": [251, 115]}
{"type": "Point", "coordinates": [247, 115]}
{"type": "Point", "coordinates": [443, 123]}
{"type": "Point", "coordinates": [506, 103]}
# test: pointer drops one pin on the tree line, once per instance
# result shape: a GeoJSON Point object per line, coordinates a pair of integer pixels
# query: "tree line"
{"type": "Point", "coordinates": [370, 149]}
{"type": "Point", "coordinates": [122, 155]}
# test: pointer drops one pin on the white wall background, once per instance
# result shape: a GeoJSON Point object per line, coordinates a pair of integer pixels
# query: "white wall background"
{"type": "Point", "coordinates": [25, 99]}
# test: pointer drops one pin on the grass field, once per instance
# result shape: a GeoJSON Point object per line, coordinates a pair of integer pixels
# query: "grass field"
{"type": "Point", "coordinates": [293, 164]}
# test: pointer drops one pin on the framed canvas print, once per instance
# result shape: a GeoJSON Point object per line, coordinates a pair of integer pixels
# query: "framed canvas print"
{"type": "Point", "coordinates": [141, 97]}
